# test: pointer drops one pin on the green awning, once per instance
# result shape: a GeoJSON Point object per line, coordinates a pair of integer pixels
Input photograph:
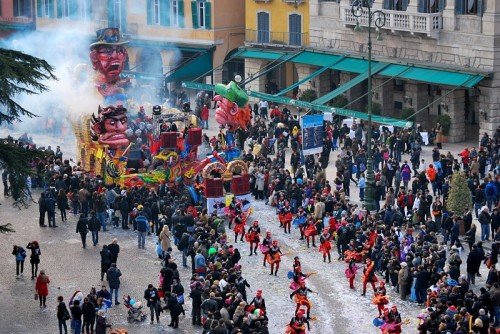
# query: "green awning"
{"type": "Point", "coordinates": [258, 54]}
{"type": "Point", "coordinates": [192, 69]}
{"type": "Point", "coordinates": [351, 64]}
{"type": "Point", "coordinates": [313, 75]}
{"type": "Point", "coordinates": [316, 58]}
{"type": "Point", "coordinates": [348, 85]}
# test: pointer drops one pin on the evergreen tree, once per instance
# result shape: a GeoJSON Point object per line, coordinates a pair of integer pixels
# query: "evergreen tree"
{"type": "Point", "coordinates": [19, 74]}
{"type": "Point", "coordinates": [459, 196]}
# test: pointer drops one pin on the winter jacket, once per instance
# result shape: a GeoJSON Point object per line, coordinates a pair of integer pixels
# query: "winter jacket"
{"type": "Point", "coordinates": [101, 325]}
{"type": "Point", "coordinates": [113, 276]}
{"type": "Point", "coordinates": [81, 226]}
{"type": "Point", "coordinates": [106, 257]}
{"type": "Point", "coordinates": [42, 285]}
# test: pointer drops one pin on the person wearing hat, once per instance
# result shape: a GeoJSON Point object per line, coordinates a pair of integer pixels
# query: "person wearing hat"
{"type": "Point", "coordinates": [258, 301]}
{"type": "Point", "coordinates": [298, 323]}
{"type": "Point", "coordinates": [403, 275]}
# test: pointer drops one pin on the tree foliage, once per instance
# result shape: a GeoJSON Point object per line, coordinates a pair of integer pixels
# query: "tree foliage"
{"type": "Point", "coordinates": [459, 197]}
{"type": "Point", "coordinates": [20, 73]}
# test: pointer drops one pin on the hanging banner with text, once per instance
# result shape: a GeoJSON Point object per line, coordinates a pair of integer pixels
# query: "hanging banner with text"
{"type": "Point", "coordinates": [312, 134]}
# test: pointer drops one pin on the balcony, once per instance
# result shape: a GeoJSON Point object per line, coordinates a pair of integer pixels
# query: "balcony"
{"type": "Point", "coordinates": [272, 38]}
{"type": "Point", "coordinates": [424, 23]}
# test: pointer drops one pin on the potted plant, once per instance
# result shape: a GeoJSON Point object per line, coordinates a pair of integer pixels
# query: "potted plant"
{"type": "Point", "coordinates": [445, 121]}
{"type": "Point", "coordinates": [308, 95]}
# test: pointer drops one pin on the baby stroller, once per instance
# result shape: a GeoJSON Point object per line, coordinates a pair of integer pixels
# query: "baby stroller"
{"type": "Point", "coordinates": [134, 313]}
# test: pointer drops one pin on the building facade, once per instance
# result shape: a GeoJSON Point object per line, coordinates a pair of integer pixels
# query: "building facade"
{"type": "Point", "coordinates": [170, 40]}
{"type": "Point", "coordinates": [16, 16]}
{"type": "Point", "coordinates": [275, 24]}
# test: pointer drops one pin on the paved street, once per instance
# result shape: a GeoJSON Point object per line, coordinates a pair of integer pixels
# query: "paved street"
{"type": "Point", "coordinates": [69, 267]}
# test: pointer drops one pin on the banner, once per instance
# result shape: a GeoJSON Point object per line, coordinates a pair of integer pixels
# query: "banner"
{"type": "Point", "coordinates": [219, 203]}
{"type": "Point", "coordinates": [312, 134]}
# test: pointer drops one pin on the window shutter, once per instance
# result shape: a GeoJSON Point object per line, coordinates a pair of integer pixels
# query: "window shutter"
{"type": "Point", "coordinates": [480, 7]}
{"type": "Point", "coordinates": [59, 9]}
{"type": "Point", "coordinates": [194, 14]}
{"type": "Point", "coordinates": [208, 15]}
{"type": "Point", "coordinates": [111, 13]}
{"type": "Point", "coordinates": [180, 6]}
{"type": "Point", "coordinates": [441, 5]}
{"type": "Point", "coordinates": [16, 8]}
{"type": "Point", "coordinates": [73, 9]}
{"type": "Point", "coordinates": [459, 7]}
{"type": "Point", "coordinates": [123, 16]}
{"type": "Point", "coordinates": [422, 6]}
{"type": "Point", "coordinates": [51, 8]}
{"type": "Point", "coordinates": [404, 5]}
{"type": "Point", "coordinates": [149, 11]}
{"type": "Point", "coordinates": [165, 13]}
{"type": "Point", "coordinates": [39, 9]}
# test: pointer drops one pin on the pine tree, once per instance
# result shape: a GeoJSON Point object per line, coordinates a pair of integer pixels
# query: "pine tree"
{"type": "Point", "coordinates": [459, 196]}
{"type": "Point", "coordinates": [20, 73]}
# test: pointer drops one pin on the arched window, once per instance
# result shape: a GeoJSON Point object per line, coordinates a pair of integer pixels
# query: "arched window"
{"type": "Point", "coordinates": [263, 31]}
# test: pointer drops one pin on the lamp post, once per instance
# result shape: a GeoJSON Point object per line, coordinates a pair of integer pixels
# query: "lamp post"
{"type": "Point", "coordinates": [361, 10]}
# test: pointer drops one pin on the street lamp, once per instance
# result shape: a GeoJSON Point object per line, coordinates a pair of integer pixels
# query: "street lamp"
{"type": "Point", "coordinates": [361, 9]}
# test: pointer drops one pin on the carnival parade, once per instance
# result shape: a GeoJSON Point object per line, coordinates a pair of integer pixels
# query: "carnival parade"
{"type": "Point", "coordinates": [232, 210]}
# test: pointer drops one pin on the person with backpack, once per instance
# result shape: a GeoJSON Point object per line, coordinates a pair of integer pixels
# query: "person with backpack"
{"type": "Point", "coordinates": [142, 229]}
{"type": "Point", "coordinates": [490, 192]}
{"type": "Point", "coordinates": [20, 255]}
{"type": "Point", "coordinates": [62, 315]}
{"type": "Point", "coordinates": [152, 298]}
{"type": "Point", "coordinates": [113, 275]}
{"type": "Point", "coordinates": [76, 317]}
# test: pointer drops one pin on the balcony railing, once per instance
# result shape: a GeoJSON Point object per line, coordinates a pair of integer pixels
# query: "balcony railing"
{"type": "Point", "coordinates": [425, 23]}
{"type": "Point", "coordinates": [276, 38]}
{"type": "Point", "coordinates": [17, 20]}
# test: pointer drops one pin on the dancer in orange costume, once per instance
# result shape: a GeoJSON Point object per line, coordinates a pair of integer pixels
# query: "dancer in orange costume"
{"type": "Point", "coordinates": [325, 244]}
{"type": "Point", "coordinates": [239, 227]}
{"type": "Point", "coordinates": [265, 245]}
{"type": "Point", "coordinates": [311, 231]}
{"type": "Point", "coordinates": [253, 237]}
{"type": "Point", "coordinates": [379, 298]}
{"type": "Point", "coordinates": [285, 216]}
{"type": "Point", "coordinates": [369, 275]}
{"type": "Point", "coordinates": [298, 324]}
{"type": "Point", "coordinates": [301, 298]}
{"type": "Point", "coordinates": [274, 257]}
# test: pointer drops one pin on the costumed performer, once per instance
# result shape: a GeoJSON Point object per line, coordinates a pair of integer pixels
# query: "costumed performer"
{"type": "Point", "coordinates": [264, 247]}
{"type": "Point", "coordinates": [253, 237]}
{"type": "Point", "coordinates": [274, 257]}
{"type": "Point", "coordinates": [301, 298]}
{"type": "Point", "coordinates": [369, 275]}
{"type": "Point", "coordinates": [298, 324]}
{"type": "Point", "coordinates": [325, 244]}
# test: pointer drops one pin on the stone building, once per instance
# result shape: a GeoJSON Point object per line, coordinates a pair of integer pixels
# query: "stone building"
{"type": "Point", "coordinates": [433, 56]}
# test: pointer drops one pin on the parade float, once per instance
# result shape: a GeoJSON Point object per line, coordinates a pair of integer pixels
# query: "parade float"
{"type": "Point", "coordinates": [132, 145]}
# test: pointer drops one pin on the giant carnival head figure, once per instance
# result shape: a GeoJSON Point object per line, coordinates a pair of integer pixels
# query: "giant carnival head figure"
{"type": "Point", "coordinates": [108, 53]}
{"type": "Point", "coordinates": [109, 127]}
{"type": "Point", "coordinates": [232, 105]}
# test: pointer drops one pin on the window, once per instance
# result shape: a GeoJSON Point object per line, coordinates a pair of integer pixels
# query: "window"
{"type": "Point", "coordinates": [469, 7]}
{"type": "Point", "coordinates": [175, 13]}
{"type": "Point", "coordinates": [65, 7]}
{"type": "Point", "coordinates": [201, 14]}
{"type": "Point", "coordinates": [400, 5]}
{"type": "Point", "coordinates": [118, 19]}
{"type": "Point", "coordinates": [295, 29]}
{"type": "Point", "coordinates": [431, 6]}
{"type": "Point", "coordinates": [263, 27]}
{"type": "Point", "coordinates": [22, 8]}
{"type": "Point", "coordinates": [156, 11]}
{"type": "Point", "coordinates": [85, 7]}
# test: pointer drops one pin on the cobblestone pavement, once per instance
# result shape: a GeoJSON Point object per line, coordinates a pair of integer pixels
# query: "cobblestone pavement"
{"type": "Point", "coordinates": [69, 267]}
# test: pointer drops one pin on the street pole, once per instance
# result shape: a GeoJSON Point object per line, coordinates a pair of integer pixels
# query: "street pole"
{"type": "Point", "coordinates": [376, 18]}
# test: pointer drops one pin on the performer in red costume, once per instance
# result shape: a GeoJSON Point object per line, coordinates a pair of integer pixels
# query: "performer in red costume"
{"type": "Point", "coordinates": [301, 298]}
{"type": "Point", "coordinates": [325, 244]}
{"type": "Point", "coordinates": [285, 216]}
{"type": "Point", "coordinates": [274, 257]}
{"type": "Point", "coordinates": [350, 272]}
{"type": "Point", "coordinates": [298, 324]}
{"type": "Point", "coordinates": [265, 246]}
{"type": "Point", "coordinates": [380, 298]}
{"type": "Point", "coordinates": [253, 237]}
{"type": "Point", "coordinates": [369, 275]}
{"type": "Point", "coordinates": [310, 231]}
{"type": "Point", "coordinates": [109, 127]}
{"type": "Point", "coordinates": [239, 227]}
